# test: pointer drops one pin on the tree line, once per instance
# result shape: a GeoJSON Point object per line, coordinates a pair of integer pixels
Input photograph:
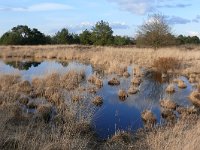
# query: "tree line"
{"type": "Point", "coordinates": [100, 34]}
{"type": "Point", "coordinates": [154, 34]}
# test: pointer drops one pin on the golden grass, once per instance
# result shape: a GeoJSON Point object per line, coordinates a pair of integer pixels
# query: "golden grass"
{"type": "Point", "coordinates": [114, 81]}
{"type": "Point", "coordinates": [133, 90]}
{"type": "Point", "coordinates": [122, 94]}
{"type": "Point", "coordinates": [148, 117]}
{"type": "Point", "coordinates": [195, 98]}
{"type": "Point", "coordinates": [121, 57]}
{"type": "Point", "coordinates": [170, 88]}
{"type": "Point", "coordinates": [98, 101]}
{"type": "Point", "coordinates": [169, 104]}
{"type": "Point", "coordinates": [168, 115]}
{"type": "Point", "coordinates": [181, 84]}
{"type": "Point", "coordinates": [184, 135]}
{"type": "Point", "coordinates": [165, 64]}
{"type": "Point", "coordinates": [68, 128]}
{"type": "Point", "coordinates": [71, 125]}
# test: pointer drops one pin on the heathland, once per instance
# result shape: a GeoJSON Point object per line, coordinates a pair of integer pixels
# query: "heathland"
{"type": "Point", "coordinates": [48, 113]}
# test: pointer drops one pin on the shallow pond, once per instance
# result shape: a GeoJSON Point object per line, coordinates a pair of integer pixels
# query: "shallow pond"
{"type": "Point", "coordinates": [114, 114]}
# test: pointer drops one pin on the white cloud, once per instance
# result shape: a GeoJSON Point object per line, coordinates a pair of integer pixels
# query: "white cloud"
{"type": "Point", "coordinates": [88, 25]}
{"type": "Point", "coordinates": [177, 20]}
{"type": "Point", "coordinates": [119, 25]}
{"type": "Point", "coordinates": [38, 7]}
{"type": "Point", "coordinates": [194, 33]}
{"type": "Point", "coordinates": [136, 6]}
{"type": "Point", "coordinates": [142, 7]}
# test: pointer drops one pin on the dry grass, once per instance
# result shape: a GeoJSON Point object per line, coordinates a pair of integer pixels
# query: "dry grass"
{"type": "Point", "coordinates": [114, 81]}
{"type": "Point", "coordinates": [181, 84]}
{"type": "Point", "coordinates": [195, 98]}
{"type": "Point", "coordinates": [56, 123]}
{"type": "Point", "coordinates": [170, 88]}
{"type": "Point", "coordinates": [185, 135]}
{"type": "Point", "coordinates": [165, 64]}
{"type": "Point", "coordinates": [69, 127]}
{"type": "Point", "coordinates": [169, 104]}
{"type": "Point", "coordinates": [148, 118]}
{"type": "Point", "coordinates": [122, 94]}
{"type": "Point", "coordinates": [103, 55]}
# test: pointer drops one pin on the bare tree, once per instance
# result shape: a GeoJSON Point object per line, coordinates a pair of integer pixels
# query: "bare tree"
{"type": "Point", "coordinates": [154, 32]}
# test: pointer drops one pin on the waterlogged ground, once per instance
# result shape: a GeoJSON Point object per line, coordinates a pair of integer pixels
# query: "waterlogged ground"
{"type": "Point", "coordinates": [114, 114]}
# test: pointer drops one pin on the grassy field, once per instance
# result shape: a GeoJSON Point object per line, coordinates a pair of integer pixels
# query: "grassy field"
{"type": "Point", "coordinates": [63, 121]}
{"type": "Point", "coordinates": [108, 57]}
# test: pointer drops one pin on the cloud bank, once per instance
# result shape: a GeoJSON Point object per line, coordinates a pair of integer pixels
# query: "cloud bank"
{"type": "Point", "coordinates": [38, 7]}
{"type": "Point", "coordinates": [141, 7]}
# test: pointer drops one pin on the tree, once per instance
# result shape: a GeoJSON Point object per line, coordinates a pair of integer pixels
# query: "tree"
{"type": "Point", "coordinates": [102, 33]}
{"type": "Point", "coordinates": [187, 40]}
{"type": "Point", "coordinates": [63, 37]}
{"type": "Point", "coordinates": [23, 35]}
{"type": "Point", "coordinates": [122, 40]}
{"type": "Point", "coordinates": [154, 32]}
{"type": "Point", "coordinates": [85, 37]}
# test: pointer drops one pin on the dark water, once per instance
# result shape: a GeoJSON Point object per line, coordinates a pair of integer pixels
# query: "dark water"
{"type": "Point", "coordinates": [114, 114]}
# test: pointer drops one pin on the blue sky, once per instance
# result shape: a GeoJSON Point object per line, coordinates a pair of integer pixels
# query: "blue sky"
{"type": "Point", "coordinates": [124, 16]}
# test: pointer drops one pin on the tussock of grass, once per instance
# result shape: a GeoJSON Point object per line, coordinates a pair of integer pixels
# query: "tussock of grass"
{"type": "Point", "coordinates": [165, 64]}
{"type": "Point", "coordinates": [169, 104]}
{"type": "Point", "coordinates": [98, 101]}
{"type": "Point", "coordinates": [114, 81]}
{"type": "Point", "coordinates": [168, 115]}
{"type": "Point", "coordinates": [69, 127]}
{"type": "Point", "coordinates": [122, 94]}
{"type": "Point", "coordinates": [136, 81]}
{"type": "Point", "coordinates": [133, 90]}
{"type": "Point", "coordinates": [52, 125]}
{"type": "Point", "coordinates": [148, 118]}
{"type": "Point", "coordinates": [195, 98]}
{"type": "Point", "coordinates": [170, 88]}
{"type": "Point", "coordinates": [181, 84]}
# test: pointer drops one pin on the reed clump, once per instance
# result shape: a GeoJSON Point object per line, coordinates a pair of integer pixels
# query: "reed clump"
{"type": "Point", "coordinates": [44, 111]}
{"type": "Point", "coordinates": [168, 104]}
{"type": "Point", "coordinates": [98, 101]}
{"type": "Point", "coordinates": [122, 94]}
{"type": "Point", "coordinates": [148, 118]}
{"type": "Point", "coordinates": [170, 88]}
{"type": "Point", "coordinates": [165, 64]}
{"type": "Point", "coordinates": [184, 111]}
{"type": "Point", "coordinates": [182, 84]}
{"type": "Point", "coordinates": [195, 98]}
{"type": "Point", "coordinates": [132, 90]}
{"type": "Point", "coordinates": [136, 81]}
{"type": "Point", "coordinates": [114, 81]}
{"type": "Point", "coordinates": [72, 79]}
{"type": "Point", "coordinates": [121, 137]}
{"type": "Point", "coordinates": [168, 115]}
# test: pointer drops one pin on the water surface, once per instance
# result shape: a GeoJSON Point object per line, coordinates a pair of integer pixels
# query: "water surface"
{"type": "Point", "coordinates": [114, 114]}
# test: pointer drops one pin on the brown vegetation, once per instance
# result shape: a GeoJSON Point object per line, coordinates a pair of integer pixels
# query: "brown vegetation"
{"type": "Point", "coordinates": [114, 81]}
{"type": "Point", "coordinates": [148, 118]}
{"type": "Point", "coordinates": [165, 64]}
{"type": "Point", "coordinates": [168, 115]}
{"type": "Point", "coordinates": [170, 88]}
{"type": "Point", "coordinates": [169, 104]}
{"type": "Point", "coordinates": [136, 81]}
{"type": "Point", "coordinates": [133, 90]}
{"type": "Point", "coordinates": [122, 94]}
{"type": "Point", "coordinates": [98, 101]}
{"type": "Point", "coordinates": [195, 98]}
{"type": "Point", "coordinates": [70, 128]}
{"type": "Point", "coordinates": [143, 56]}
{"type": "Point", "coordinates": [181, 84]}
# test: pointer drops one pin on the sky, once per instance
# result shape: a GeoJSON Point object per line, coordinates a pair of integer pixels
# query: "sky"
{"type": "Point", "coordinates": [124, 16]}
